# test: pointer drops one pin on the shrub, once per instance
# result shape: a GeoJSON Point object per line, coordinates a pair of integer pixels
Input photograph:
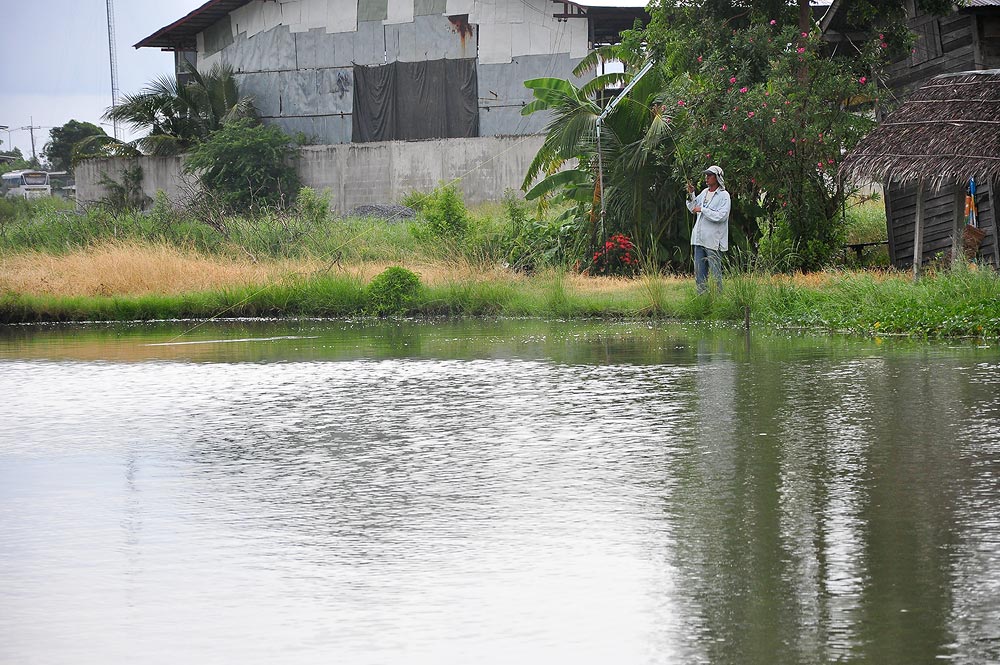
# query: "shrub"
{"type": "Point", "coordinates": [393, 291]}
{"type": "Point", "coordinates": [312, 205]}
{"type": "Point", "coordinates": [414, 201]}
{"type": "Point", "coordinates": [617, 257]}
{"type": "Point", "coordinates": [246, 166]}
{"type": "Point", "coordinates": [445, 213]}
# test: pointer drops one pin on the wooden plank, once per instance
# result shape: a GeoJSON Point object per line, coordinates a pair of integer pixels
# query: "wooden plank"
{"type": "Point", "coordinates": [918, 240]}
{"type": "Point", "coordinates": [957, 223]}
{"type": "Point", "coordinates": [890, 229]}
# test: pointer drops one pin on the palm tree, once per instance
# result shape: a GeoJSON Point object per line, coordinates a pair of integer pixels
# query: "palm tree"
{"type": "Point", "coordinates": [640, 188]}
{"type": "Point", "coordinates": [174, 115]}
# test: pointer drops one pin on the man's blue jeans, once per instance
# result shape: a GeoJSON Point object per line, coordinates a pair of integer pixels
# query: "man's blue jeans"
{"type": "Point", "coordinates": [706, 259]}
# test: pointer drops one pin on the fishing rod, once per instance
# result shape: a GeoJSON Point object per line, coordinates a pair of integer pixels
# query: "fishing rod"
{"type": "Point", "coordinates": [600, 121]}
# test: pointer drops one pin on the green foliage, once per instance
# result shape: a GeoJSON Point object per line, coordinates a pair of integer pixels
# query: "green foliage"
{"type": "Point", "coordinates": [444, 214]}
{"type": "Point", "coordinates": [174, 116]}
{"type": "Point", "coordinates": [414, 201]}
{"type": "Point", "coordinates": [313, 206]}
{"type": "Point", "coordinates": [19, 163]}
{"type": "Point", "coordinates": [126, 195]}
{"type": "Point", "coordinates": [642, 196]}
{"type": "Point", "coordinates": [246, 166]}
{"type": "Point", "coordinates": [63, 140]}
{"type": "Point", "coordinates": [770, 105]}
{"type": "Point", "coordinates": [393, 291]}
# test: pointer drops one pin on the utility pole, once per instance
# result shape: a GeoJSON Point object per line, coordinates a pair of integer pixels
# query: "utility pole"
{"type": "Point", "coordinates": [31, 130]}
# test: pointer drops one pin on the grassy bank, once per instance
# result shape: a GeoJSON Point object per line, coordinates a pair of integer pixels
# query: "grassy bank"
{"type": "Point", "coordinates": [129, 281]}
{"type": "Point", "coordinates": [499, 260]}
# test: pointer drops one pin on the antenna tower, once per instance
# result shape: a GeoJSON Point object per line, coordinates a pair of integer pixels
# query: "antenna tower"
{"type": "Point", "coordinates": [113, 58]}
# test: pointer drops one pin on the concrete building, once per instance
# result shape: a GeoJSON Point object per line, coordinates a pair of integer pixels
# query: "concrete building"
{"type": "Point", "coordinates": [343, 71]}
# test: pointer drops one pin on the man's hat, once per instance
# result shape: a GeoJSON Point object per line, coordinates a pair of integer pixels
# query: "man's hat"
{"type": "Point", "coordinates": [717, 172]}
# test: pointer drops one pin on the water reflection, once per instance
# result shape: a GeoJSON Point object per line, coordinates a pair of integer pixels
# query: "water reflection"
{"type": "Point", "coordinates": [495, 492]}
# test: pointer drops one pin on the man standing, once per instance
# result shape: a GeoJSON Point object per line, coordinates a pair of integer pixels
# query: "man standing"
{"type": "Point", "coordinates": [710, 236]}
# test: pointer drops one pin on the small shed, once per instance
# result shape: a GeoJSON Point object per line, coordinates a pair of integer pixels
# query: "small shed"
{"type": "Point", "coordinates": [924, 154]}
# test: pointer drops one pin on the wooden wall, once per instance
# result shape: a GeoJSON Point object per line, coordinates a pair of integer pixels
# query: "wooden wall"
{"type": "Point", "coordinates": [943, 45]}
{"type": "Point", "coordinates": [939, 222]}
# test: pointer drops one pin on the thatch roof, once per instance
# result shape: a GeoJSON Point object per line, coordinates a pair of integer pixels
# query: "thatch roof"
{"type": "Point", "coordinates": [946, 132]}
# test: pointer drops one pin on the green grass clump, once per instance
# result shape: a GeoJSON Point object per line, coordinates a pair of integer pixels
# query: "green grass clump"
{"type": "Point", "coordinates": [393, 291]}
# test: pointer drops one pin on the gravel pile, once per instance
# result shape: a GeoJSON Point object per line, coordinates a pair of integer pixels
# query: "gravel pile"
{"type": "Point", "coordinates": [381, 211]}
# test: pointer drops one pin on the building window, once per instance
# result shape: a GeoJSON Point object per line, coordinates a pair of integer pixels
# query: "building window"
{"type": "Point", "coordinates": [927, 45]}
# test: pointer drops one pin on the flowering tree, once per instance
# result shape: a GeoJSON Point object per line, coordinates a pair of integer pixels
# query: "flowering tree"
{"type": "Point", "coordinates": [767, 100]}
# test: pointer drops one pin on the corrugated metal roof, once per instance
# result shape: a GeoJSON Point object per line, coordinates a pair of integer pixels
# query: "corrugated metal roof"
{"type": "Point", "coordinates": [181, 34]}
{"type": "Point", "coordinates": [980, 3]}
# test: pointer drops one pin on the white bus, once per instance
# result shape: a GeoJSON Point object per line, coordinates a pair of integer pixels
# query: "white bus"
{"type": "Point", "coordinates": [26, 184]}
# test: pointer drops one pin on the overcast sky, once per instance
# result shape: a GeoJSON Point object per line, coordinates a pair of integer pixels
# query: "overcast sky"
{"type": "Point", "coordinates": [56, 66]}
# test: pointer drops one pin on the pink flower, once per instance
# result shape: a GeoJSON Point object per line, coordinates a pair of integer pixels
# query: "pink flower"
{"type": "Point", "coordinates": [732, 79]}
{"type": "Point", "coordinates": [829, 161]}
{"type": "Point", "coordinates": [787, 102]}
{"type": "Point", "coordinates": [680, 102]}
{"type": "Point", "coordinates": [724, 128]}
{"type": "Point", "coordinates": [791, 152]}
{"type": "Point", "coordinates": [793, 139]}
{"type": "Point", "coordinates": [708, 155]}
{"type": "Point", "coordinates": [750, 114]}
{"type": "Point", "coordinates": [773, 21]}
{"type": "Point", "coordinates": [767, 94]}
{"type": "Point", "coordinates": [805, 34]}
{"type": "Point", "coordinates": [743, 89]}
{"type": "Point", "coordinates": [881, 36]}
{"type": "Point", "coordinates": [764, 105]}
{"type": "Point", "coordinates": [774, 120]}
{"type": "Point", "coordinates": [863, 80]}
{"type": "Point", "coordinates": [801, 49]}
{"type": "Point", "coordinates": [699, 58]}
{"type": "Point", "coordinates": [883, 45]}
{"type": "Point", "coordinates": [819, 165]}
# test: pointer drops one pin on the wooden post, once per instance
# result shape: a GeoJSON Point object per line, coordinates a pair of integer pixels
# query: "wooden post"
{"type": "Point", "coordinates": [918, 231]}
{"type": "Point", "coordinates": [957, 239]}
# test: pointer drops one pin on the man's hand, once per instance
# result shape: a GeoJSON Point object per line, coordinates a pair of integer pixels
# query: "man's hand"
{"type": "Point", "coordinates": [696, 209]}
{"type": "Point", "coordinates": [690, 188]}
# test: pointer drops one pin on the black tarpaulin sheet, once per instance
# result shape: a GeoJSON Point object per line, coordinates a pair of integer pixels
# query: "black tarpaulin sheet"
{"type": "Point", "coordinates": [434, 99]}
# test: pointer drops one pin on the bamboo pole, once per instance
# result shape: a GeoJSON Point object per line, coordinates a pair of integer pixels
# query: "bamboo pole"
{"type": "Point", "coordinates": [957, 238]}
{"type": "Point", "coordinates": [918, 231]}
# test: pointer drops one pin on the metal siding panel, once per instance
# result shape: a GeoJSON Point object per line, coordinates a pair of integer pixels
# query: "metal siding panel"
{"type": "Point", "coordinates": [267, 51]}
{"type": "Point", "coordinates": [373, 10]}
{"type": "Point", "coordinates": [336, 90]}
{"type": "Point", "coordinates": [369, 43]}
{"type": "Point", "coordinates": [265, 88]}
{"type": "Point", "coordinates": [428, 38]}
{"type": "Point", "coordinates": [316, 49]}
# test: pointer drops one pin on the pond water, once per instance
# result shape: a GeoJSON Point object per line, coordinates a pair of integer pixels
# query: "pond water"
{"type": "Point", "coordinates": [495, 492]}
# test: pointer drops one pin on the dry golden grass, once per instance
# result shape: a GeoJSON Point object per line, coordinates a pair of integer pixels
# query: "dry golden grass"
{"type": "Point", "coordinates": [133, 269]}
{"type": "Point", "coordinates": [136, 269]}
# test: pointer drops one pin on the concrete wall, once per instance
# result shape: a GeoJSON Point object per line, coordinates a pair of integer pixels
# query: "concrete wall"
{"type": "Point", "coordinates": [360, 173]}
{"type": "Point", "coordinates": [159, 173]}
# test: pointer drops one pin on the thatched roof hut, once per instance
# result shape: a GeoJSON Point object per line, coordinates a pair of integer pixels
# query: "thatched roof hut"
{"type": "Point", "coordinates": [925, 154]}
{"type": "Point", "coordinates": [945, 133]}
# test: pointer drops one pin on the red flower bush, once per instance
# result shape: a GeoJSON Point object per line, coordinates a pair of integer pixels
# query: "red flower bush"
{"type": "Point", "coordinates": [617, 257]}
